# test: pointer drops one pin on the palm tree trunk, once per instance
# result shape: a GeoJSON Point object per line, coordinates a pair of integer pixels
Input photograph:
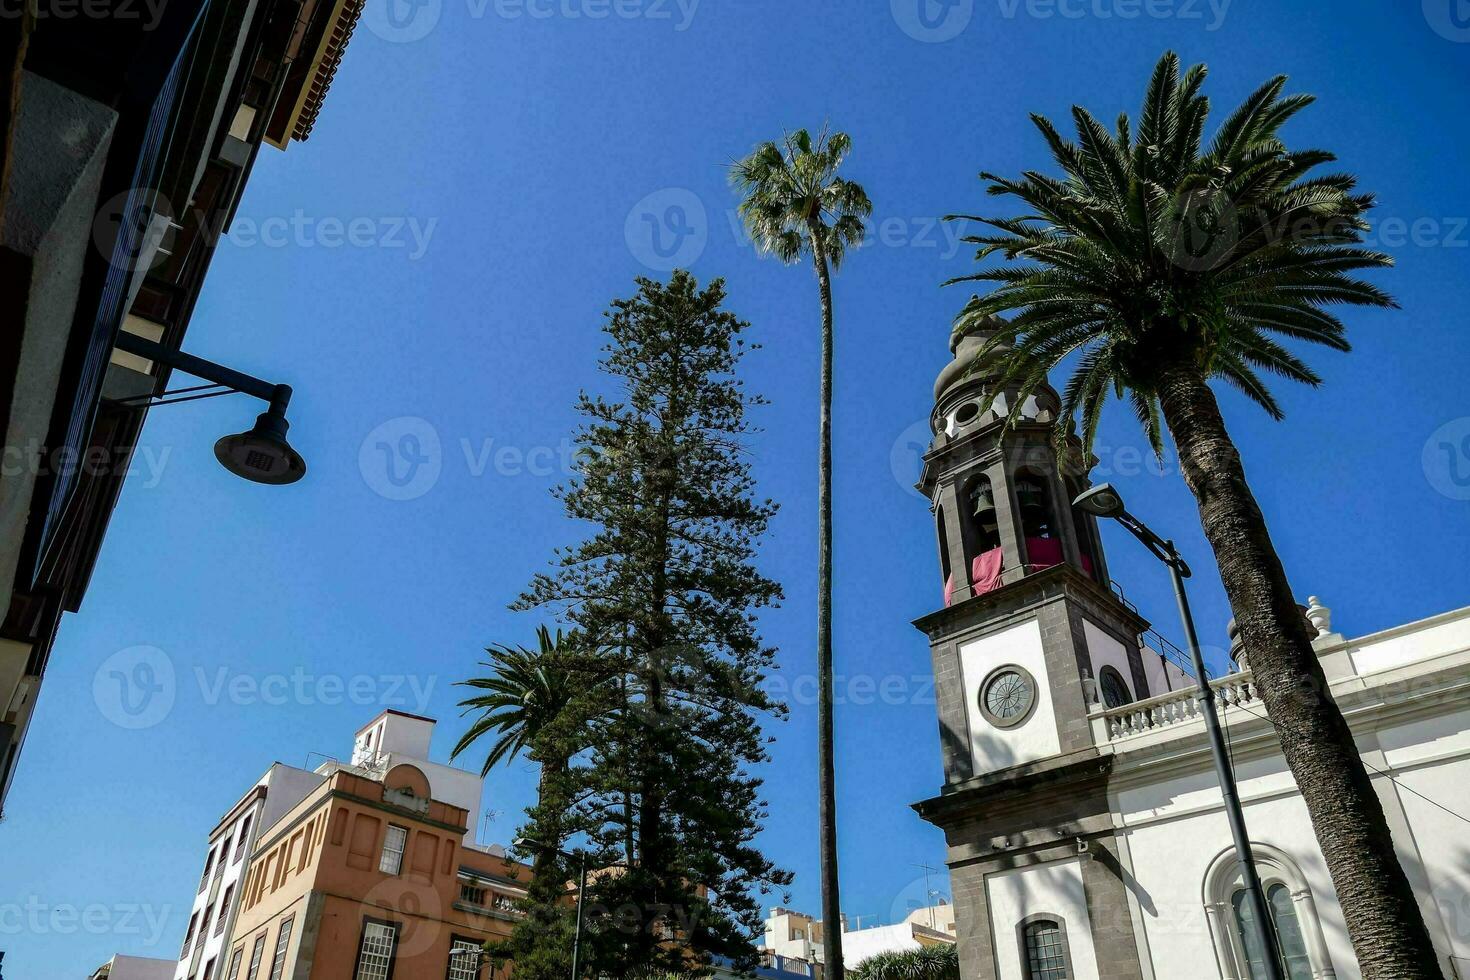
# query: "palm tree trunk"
{"type": "Point", "coordinates": [827, 777]}
{"type": "Point", "coordinates": [1383, 917]}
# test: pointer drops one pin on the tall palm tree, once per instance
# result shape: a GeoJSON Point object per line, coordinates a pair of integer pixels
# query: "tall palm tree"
{"type": "Point", "coordinates": [1163, 264]}
{"type": "Point", "coordinates": [795, 204]}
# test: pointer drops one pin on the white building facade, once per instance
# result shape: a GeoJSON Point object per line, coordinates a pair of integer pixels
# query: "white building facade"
{"type": "Point", "coordinates": [1084, 823]}
{"type": "Point", "coordinates": [392, 738]}
{"type": "Point", "coordinates": [216, 903]}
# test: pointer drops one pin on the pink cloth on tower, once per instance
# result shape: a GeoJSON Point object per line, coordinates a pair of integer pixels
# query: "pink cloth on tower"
{"type": "Point", "coordinates": [985, 571]}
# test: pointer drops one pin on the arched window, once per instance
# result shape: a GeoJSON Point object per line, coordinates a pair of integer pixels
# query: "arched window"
{"type": "Point", "coordinates": [1086, 528]}
{"type": "Point", "coordinates": [1238, 939]}
{"type": "Point", "coordinates": [1115, 691]}
{"type": "Point", "coordinates": [980, 515]}
{"type": "Point", "coordinates": [1295, 964]}
{"type": "Point", "coordinates": [1033, 501]}
{"type": "Point", "coordinates": [1044, 945]}
{"type": "Point", "coordinates": [946, 574]}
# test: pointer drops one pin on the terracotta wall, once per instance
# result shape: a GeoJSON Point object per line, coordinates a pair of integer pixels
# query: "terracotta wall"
{"type": "Point", "coordinates": [319, 868]}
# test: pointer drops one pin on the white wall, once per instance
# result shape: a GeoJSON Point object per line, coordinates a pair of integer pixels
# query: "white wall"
{"type": "Point", "coordinates": [867, 943]}
{"type": "Point", "coordinates": [1056, 890]}
{"type": "Point", "coordinates": [1175, 828]}
{"type": "Point", "coordinates": [1442, 634]}
{"type": "Point", "coordinates": [1105, 651]}
{"type": "Point", "coordinates": [997, 748]}
{"type": "Point", "coordinates": [1431, 759]}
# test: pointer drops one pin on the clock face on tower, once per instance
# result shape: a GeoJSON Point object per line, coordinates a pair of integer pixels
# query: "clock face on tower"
{"type": "Point", "coordinates": [1008, 696]}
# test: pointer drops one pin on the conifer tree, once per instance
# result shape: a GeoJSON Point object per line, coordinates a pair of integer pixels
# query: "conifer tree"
{"type": "Point", "coordinates": [664, 593]}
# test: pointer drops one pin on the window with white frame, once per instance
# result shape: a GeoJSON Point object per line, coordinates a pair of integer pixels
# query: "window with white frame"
{"type": "Point", "coordinates": [375, 959]}
{"type": "Point", "coordinates": [392, 860]}
{"type": "Point", "coordinates": [464, 960]}
{"type": "Point", "coordinates": [1239, 940]}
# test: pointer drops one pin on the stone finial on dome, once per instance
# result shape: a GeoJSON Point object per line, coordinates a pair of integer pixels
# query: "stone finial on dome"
{"type": "Point", "coordinates": [965, 342]}
{"type": "Point", "coordinates": [1319, 616]}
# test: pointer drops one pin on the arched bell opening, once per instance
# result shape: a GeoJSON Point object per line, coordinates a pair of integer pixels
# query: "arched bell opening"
{"type": "Point", "coordinates": [1037, 516]}
{"type": "Point", "coordinates": [982, 535]}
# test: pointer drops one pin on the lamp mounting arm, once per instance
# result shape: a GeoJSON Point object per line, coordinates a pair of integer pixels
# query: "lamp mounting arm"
{"type": "Point", "coordinates": [279, 396]}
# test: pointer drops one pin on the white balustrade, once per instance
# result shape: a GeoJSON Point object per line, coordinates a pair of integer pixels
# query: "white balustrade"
{"type": "Point", "coordinates": [1178, 707]}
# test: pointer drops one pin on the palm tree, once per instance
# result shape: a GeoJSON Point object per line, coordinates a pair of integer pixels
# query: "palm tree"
{"type": "Point", "coordinates": [526, 692]}
{"type": "Point", "coordinates": [1163, 264]}
{"type": "Point", "coordinates": [795, 204]}
{"type": "Point", "coordinates": [925, 963]}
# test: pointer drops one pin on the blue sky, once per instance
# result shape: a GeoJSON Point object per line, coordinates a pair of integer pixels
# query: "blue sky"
{"type": "Point", "coordinates": [432, 267]}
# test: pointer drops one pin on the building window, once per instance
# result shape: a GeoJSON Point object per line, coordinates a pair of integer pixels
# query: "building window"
{"type": "Point", "coordinates": [189, 935]}
{"type": "Point", "coordinates": [464, 960]}
{"type": "Point", "coordinates": [1294, 962]}
{"type": "Point", "coordinates": [1115, 691]}
{"type": "Point", "coordinates": [244, 840]}
{"type": "Point", "coordinates": [255, 956]}
{"type": "Point", "coordinates": [234, 973]}
{"type": "Point", "coordinates": [224, 910]}
{"type": "Point", "coordinates": [471, 894]}
{"type": "Point", "coordinates": [375, 959]}
{"type": "Point", "coordinates": [1045, 943]}
{"type": "Point", "coordinates": [503, 903]}
{"type": "Point", "coordinates": [392, 860]}
{"type": "Point", "coordinates": [208, 866]}
{"type": "Point", "coordinates": [1238, 939]}
{"type": "Point", "coordinates": [283, 941]}
{"type": "Point", "coordinates": [209, 970]}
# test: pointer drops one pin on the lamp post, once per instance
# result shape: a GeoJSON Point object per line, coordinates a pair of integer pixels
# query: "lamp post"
{"type": "Point", "coordinates": [1105, 501]}
{"type": "Point", "coordinates": [260, 454]}
{"type": "Point", "coordinates": [527, 844]}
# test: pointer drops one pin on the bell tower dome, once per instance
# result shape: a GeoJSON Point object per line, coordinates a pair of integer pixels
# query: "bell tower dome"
{"type": "Point", "coordinates": [1030, 632]}
{"type": "Point", "coordinates": [1001, 497]}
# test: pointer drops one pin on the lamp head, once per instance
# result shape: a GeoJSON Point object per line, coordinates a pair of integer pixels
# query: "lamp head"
{"type": "Point", "coordinates": [261, 454]}
{"type": "Point", "coordinates": [1101, 501]}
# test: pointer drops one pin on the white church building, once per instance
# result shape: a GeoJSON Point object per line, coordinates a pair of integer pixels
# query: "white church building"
{"type": "Point", "coordinates": [1083, 818]}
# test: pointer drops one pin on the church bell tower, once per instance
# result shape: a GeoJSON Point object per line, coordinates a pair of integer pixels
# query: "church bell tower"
{"type": "Point", "coordinates": [1029, 638]}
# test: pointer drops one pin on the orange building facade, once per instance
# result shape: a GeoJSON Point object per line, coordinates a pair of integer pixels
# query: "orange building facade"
{"type": "Point", "coordinates": [371, 879]}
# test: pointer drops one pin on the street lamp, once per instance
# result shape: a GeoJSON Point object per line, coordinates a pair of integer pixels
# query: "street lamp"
{"type": "Point", "coordinates": [1105, 501]}
{"type": "Point", "coordinates": [261, 453]}
{"type": "Point", "coordinates": [527, 844]}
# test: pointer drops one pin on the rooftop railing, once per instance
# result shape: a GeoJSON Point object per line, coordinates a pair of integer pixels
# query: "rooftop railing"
{"type": "Point", "coordinates": [1173, 709]}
